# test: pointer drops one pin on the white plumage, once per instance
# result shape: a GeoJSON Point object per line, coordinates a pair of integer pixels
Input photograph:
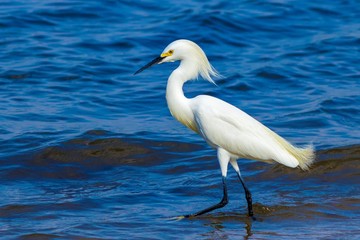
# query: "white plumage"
{"type": "Point", "coordinates": [226, 128]}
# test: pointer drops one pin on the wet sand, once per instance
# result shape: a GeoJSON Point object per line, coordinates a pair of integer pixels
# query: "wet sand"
{"type": "Point", "coordinates": [101, 183]}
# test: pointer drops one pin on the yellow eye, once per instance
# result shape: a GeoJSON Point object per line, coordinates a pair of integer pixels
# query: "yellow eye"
{"type": "Point", "coordinates": [167, 54]}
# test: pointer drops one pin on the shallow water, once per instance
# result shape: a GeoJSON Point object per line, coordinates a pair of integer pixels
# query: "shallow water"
{"type": "Point", "coordinates": [87, 150]}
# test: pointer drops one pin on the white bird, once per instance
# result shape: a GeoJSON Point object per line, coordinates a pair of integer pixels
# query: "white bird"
{"type": "Point", "coordinates": [232, 132]}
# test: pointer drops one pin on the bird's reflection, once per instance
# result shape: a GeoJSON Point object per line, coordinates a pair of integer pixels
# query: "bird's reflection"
{"type": "Point", "coordinates": [220, 228]}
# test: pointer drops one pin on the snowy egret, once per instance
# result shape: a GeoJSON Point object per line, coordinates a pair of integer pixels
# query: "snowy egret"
{"type": "Point", "coordinates": [232, 132]}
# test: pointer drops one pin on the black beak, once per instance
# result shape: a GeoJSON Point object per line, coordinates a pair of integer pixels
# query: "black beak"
{"type": "Point", "coordinates": [153, 62]}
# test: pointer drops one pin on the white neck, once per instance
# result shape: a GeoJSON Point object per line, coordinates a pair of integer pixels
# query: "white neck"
{"type": "Point", "coordinates": [178, 104]}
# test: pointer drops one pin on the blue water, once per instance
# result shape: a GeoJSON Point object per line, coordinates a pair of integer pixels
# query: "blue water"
{"type": "Point", "coordinates": [88, 150]}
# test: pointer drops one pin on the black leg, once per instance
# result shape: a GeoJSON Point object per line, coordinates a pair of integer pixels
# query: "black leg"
{"type": "Point", "coordinates": [248, 196]}
{"type": "Point", "coordinates": [221, 204]}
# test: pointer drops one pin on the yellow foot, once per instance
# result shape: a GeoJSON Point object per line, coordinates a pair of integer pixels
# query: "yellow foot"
{"type": "Point", "coordinates": [178, 218]}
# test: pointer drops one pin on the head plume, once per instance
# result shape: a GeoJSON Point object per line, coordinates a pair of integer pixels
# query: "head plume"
{"type": "Point", "coordinates": [206, 70]}
{"type": "Point", "coordinates": [192, 55]}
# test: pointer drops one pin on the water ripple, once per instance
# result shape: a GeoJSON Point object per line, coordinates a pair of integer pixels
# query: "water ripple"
{"type": "Point", "coordinates": [89, 150]}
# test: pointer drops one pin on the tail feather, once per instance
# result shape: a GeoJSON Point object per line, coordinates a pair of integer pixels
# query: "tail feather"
{"type": "Point", "coordinates": [305, 156]}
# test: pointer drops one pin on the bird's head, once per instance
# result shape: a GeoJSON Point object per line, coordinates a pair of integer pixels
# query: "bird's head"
{"type": "Point", "coordinates": [185, 50]}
